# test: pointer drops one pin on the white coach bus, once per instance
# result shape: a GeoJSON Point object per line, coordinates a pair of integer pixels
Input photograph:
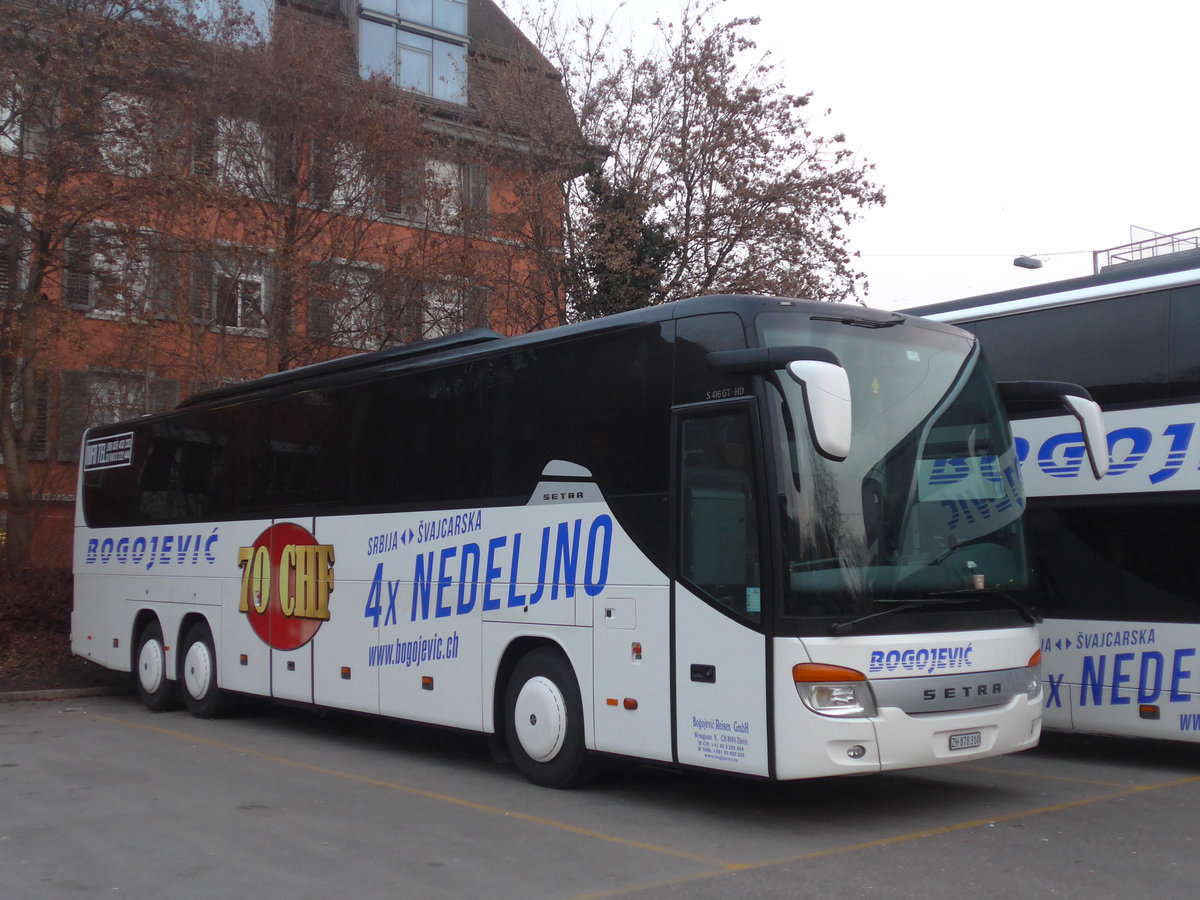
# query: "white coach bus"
{"type": "Point", "coordinates": [763, 536]}
{"type": "Point", "coordinates": [1116, 564]}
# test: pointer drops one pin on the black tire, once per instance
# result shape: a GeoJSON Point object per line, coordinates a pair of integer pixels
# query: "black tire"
{"type": "Point", "coordinates": [198, 675]}
{"type": "Point", "coordinates": [544, 721]}
{"type": "Point", "coordinates": [154, 688]}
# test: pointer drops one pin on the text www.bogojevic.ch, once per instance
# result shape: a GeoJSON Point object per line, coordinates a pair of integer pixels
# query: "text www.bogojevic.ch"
{"type": "Point", "coordinates": [415, 652]}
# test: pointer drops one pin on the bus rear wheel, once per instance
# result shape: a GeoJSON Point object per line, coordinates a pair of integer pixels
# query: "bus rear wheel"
{"type": "Point", "coordinates": [544, 721]}
{"type": "Point", "coordinates": [198, 675]}
{"type": "Point", "coordinates": [154, 689]}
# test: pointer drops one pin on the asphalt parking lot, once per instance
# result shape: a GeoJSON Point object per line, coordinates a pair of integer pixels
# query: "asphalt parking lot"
{"type": "Point", "coordinates": [100, 797]}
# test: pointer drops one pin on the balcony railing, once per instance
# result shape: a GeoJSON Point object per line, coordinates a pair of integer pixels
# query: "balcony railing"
{"type": "Point", "coordinates": [1153, 246]}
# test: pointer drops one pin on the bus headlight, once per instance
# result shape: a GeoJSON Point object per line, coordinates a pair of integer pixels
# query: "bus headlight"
{"type": "Point", "coordinates": [833, 690]}
{"type": "Point", "coordinates": [1033, 675]}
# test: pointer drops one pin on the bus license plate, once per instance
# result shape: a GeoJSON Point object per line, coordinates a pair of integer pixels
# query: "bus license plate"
{"type": "Point", "coordinates": [968, 740]}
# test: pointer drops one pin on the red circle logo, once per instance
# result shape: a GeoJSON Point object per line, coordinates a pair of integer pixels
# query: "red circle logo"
{"type": "Point", "coordinates": [287, 578]}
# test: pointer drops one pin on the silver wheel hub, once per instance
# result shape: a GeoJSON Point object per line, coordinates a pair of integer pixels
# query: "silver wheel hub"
{"type": "Point", "coordinates": [197, 670]}
{"type": "Point", "coordinates": [151, 665]}
{"type": "Point", "coordinates": [540, 719]}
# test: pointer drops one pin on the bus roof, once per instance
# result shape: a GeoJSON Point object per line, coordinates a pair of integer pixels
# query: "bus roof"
{"type": "Point", "coordinates": [483, 341]}
{"type": "Point", "coordinates": [449, 342]}
{"type": "Point", "coordinates": [1130, 278]}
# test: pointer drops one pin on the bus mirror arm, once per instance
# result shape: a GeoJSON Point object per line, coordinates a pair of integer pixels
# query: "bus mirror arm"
{"type": "Point", "coordinates": [761, 360]}
{"type": "Point", "coordinates": [1044, 395]}
{"type": "Point", "coordinates": [823, 382]}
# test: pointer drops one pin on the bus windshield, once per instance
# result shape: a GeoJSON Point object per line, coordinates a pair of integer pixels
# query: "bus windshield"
{"type": "Point", "coordinates": [926, 507]}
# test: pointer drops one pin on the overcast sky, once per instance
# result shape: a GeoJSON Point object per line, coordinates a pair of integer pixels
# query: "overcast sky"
{"type": "Point", "coordinates": [1039, 127]}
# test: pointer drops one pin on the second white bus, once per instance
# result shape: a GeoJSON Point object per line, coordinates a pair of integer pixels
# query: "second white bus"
{"type": "Point", "coordinates": [1117, 571]}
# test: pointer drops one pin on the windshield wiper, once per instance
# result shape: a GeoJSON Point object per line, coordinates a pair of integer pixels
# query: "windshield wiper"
{"type": "Point", "coordinates": [861, 321]}
{"type": "Point", "coordinates": [841, 628]}
{"type": "Point", "coordinates": [1026, 611]}
{"type": "Point", "coordinates": [956, 595]}
{"type": "Point", "coordinates": [949, 597]}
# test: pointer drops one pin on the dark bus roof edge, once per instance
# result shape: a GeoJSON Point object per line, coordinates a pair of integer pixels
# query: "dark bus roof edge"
{"type": "Point", "coordinates": [481, 342]}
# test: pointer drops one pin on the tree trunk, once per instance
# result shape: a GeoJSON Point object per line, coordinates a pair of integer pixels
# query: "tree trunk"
{"type": "Point", "coordinates": [19, 528]}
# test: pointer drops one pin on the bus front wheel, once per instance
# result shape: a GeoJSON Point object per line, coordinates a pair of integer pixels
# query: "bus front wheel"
{"type": "Point", "coordinates": [544, 721]}
{"type": "Point", "coordinates": [154, 689]}
{"type": "Point", "coordinates": [198, 675]}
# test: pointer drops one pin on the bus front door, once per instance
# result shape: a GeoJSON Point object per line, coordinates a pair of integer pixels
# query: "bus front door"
{"type": "Point", "coordinates": [720, 650]}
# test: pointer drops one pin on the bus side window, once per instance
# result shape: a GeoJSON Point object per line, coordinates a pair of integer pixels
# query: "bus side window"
{"type": "Point", "coordinates": [719, 519]}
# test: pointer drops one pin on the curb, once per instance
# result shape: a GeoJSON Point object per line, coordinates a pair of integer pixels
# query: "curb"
{"type": "Point", "coordinates": [62, 693]}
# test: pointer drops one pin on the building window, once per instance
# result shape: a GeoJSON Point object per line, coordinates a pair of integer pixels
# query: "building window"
{"type": "Point", "coordinates": [236, 152]}
{"type": "Point", "coordinates": [10, 121]}
{"type": "Point", "coordinates": [445, 15]}
{"type": "Point", "coordinates": [439, 308]}
{"type": "Point", "coordinates": [358, 306]}
{"type": "Point", "coordinates": [441, 311]}
{"type": "Point", "coordinates": [115, 397]}
{"type": "Point", "coordinates": [88, 398]}
{"type": "Point", "coordinates": [230, 291]}
{"type": "Point", "coordinates": [39, 410]}
{"type": "Point", "coordinates": [211, 11]}
{"type": "Point", "coordinates": [441, 194]}
{"type": "Point", "coordinates": [240, 295]}
{"type": "Point", "coordinates": [110, 273]}
{"type": "Point", "coordinates": [10, 266]}
{"type": "Point", "coordinates": [128, 125]}
{"type": "Point", "coordinates": [348, 306]}
{"type": "Point", "coordinates": [340, 179]}
{"type": "Point", "coordinates": [475, 191]}
{"type": "Point", "coordinates": [401, 192]}
{"type": "Point", "coordinates": [102, 275]}
{"type": "Point", "coordinates": [419, 44]}
{"type": "Point", "coordinates": [21, 125]}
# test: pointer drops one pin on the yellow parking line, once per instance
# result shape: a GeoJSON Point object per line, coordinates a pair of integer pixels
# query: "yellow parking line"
{"type": "Point", "coordinates": [720, 865]}
{"type": "Point", "coordinates": [975, 767]}
{"type": "Point", "coordinates": [976, 823]}
{"type": "Point", "coordinates": [651, 885]}
{"type": "Point", "coordinates": [896, 839]}
{"type": "Point", "coordinates": [713, 867]}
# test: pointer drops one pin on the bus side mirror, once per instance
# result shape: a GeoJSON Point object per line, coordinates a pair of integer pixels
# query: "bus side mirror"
{"type": "Point", "coordinates": [1042, 396]}
{"type": "Point", "coordinates": [827, 405]}
{"type": "Point", "coordinates": [1091, 423]}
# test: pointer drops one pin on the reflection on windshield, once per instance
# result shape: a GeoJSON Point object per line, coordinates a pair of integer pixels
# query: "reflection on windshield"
{"type": "Point", "coordinates": [928, 502]}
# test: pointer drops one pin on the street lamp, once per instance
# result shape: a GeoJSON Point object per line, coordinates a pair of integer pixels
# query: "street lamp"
{"type": "Point", "coordinates": [1027, 262]}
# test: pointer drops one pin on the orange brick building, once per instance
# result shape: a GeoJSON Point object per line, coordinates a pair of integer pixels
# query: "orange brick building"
{"type": "Point", "coordinates": [304, 250]}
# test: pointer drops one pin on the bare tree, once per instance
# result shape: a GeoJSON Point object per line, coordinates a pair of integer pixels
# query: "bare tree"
{"type": "Point", "coordinates": [186, 201]}
{"type": "Point", "coordinates": [713, 162]}
{"type": "Point", "coordinates": [315, 167]}
{"type": "Point", "coordinates": [77, 147]}
{"type": "Point", "coordinates": [172, 191]}
{"type": "Point", "coordinates": [525, 129]}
